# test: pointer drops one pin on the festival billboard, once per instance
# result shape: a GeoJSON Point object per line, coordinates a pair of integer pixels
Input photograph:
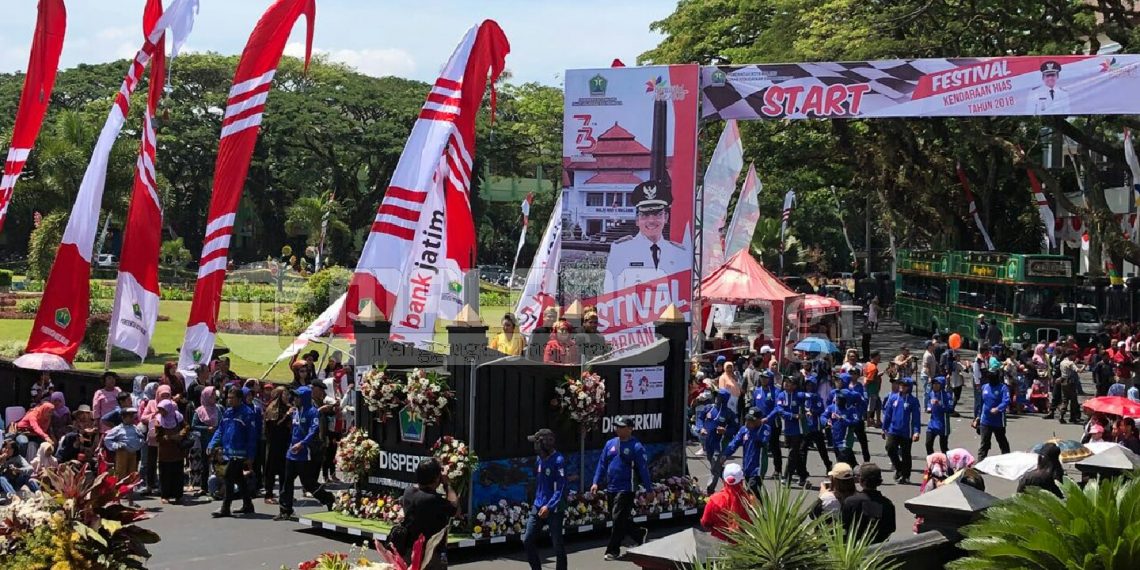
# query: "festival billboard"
{"type": "Point", "coordinates": [943, 87]}
{"type": "Point", "coordinates": [629, 161]}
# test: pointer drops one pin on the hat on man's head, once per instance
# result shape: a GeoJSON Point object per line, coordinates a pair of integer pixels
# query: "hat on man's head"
{"type": "Point", "coordinates": [907, 380]}
{"type": "Point", "coordinates": [721, 358]}
{"type": "Point", "coordinates": [1050, 67]}
{"type": "Point", "coordinates": [753, 414]}
{"type": "Point", "coordinates": [733, 474]}
{"type": "Point", "coordinates": [130, 411]}
{"type": "Point", "coordinates": [651, 196]}
{"type": "Point", "coordinates": [765, 349]}
{"type": "Point", "coordinates": [543, 435]}
{"type": "Point", "coordinates": [622, 421]}
{"type": "Point", "coordinates": [841, 471]}
{"type": "Point", "coordinates": [938, 380]}
{"type": "Point", "coordinates": [83, 408]}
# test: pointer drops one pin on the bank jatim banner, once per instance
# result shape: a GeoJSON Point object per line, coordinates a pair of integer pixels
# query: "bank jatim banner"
{"type": "Point", "coordinates": [629, 152]}
{"type": "Point", "coordinates": [950, 87]}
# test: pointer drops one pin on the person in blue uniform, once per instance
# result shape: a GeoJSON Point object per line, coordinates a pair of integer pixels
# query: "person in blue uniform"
{"type": "Point", "coordinates": [790, 412]}
{"type": "Point", "coordinates": [902, 422]}
{"type": "Point", "coordinates": [547, 509]}
{"type": "Point", "coordinates": [813, 407]}
{"type": "Point", "coordinates": [718, 425]}
{"type": "Point", "coordinates": [235, 443]}
{"type": "Point", "coordinates": [300, 457]}
{"type": "Point", "coordinates": [754, 438]}
{"type": "Point", "coordinates": [857, 402]}
{"type": "Point", "coordinates": [939, 405]}
{"type": "Point", "coordinates": [621, 457]}
{"type": "Point", "coordinates": [995, 401]}
{"type": "Point", "coordinates": [764, 398]}
{"type": "Point", "coordinates": [838, 418]}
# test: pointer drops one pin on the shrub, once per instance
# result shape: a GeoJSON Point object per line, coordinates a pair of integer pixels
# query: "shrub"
{"type": "Point", "coordinates": [11, 349]}
{"type": "Point", "coordinates": [174, 252]}
{"type": "Point", "coordinates": [493, 299]}
{"type": "Point", "coordinates": [320, 291]}
{"type": "Point", "coordinates": [30, 306]}
{"type": "Point", "coordinates": [5, 278]}
{"type": "Point", "coordinates": [43, 244]}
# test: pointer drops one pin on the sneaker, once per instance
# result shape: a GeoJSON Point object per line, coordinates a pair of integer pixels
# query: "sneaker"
{"type": "Point", "coordinates": [805, 483]}
{"type": "Point", "coordinates": [609, 557]}
{"type": "Point", "coordinates": [283, 517]}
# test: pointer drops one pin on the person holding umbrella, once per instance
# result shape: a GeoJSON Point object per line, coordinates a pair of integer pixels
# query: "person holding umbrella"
{"type": "Point", "coordinates": [547, 507]}
{"type": "Point", "coordinates": [619, 458]}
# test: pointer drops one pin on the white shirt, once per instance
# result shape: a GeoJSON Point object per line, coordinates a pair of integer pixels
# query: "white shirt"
{"type": "Point", "coordinates": [631, 262]}
{"type": "Point", "coordinates": [1046, 101]}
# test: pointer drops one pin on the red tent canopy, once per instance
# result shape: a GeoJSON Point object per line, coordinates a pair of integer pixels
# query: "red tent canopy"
{"type": "Point", "coordinates": [743, 281]}
{"type": "Point", "coordinates": [815, 305]}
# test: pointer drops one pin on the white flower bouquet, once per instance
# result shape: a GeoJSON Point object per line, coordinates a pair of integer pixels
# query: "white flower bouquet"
{"type": "Point", "coordinates": [427, 394]}
{"type": "Point", "coordinates": [456, 458]}
{"type": "Point", "coordinates": [583, 399]}
{"type": "Point", "coordinates": [356, 454]}
{"type": "Point", "coordinates": [383, 395]}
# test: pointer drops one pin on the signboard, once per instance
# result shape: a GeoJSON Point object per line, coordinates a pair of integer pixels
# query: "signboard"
{"type": "Point", "coordinates": [982, 270]}
{"type": "Point", "coordinates": [944, 87]}
{"type": "Point", "coordinates": [629, 131]}
{"type": "Point", "coordinates": [643, 383]}
{"type": "Point", "coordinates": [1049, 268]}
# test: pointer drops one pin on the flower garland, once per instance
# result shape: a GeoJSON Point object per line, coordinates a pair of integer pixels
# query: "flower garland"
{"type": "Point", "coordinates": [356, 454]}
{"type": "Point", "coordinates": [427, 394]}
{"type": "Point", "coordinates": [583, 399]}
{"type": "Point", "coordinates": [456, 458]}
{"type": "Point", "coordinates": [376, 507]}
{"type": "Point", "coordinates": [383, 395]}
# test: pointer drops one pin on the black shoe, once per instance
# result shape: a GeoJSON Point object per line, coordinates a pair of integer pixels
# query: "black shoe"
{"type": "Point", "coordinates": [1062, 420]}
{"type": "Point", "coordinates": [644, 532]}
{"type": "Point", "coordinates": [805, 483]}
{"type": "Point", "coordinates": [283, 516]}
{"type": "Point", "coordinates": [220, 513]}
{"type": "Point", "coordinates": [245, 510]}
{"type": "Point", "coordinates": [1048, 416]}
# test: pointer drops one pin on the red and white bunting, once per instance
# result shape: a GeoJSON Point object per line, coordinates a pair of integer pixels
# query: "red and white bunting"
{"type": "Point", "coordinates": [62, 317]}
{"type": "Point", "coordinates": [135, 310]}
{"type": "Point", "coordinates": [973, 206]}
{"type": "Point", "coordinates": [240, 126]}
{"type": "Point", "coordinates": [51, 24]}
{"type": "Point", "coordinates": [542, 281]}
{"type": "Point", "coordinates": [1042, 207]}
{"type": "Point", "coordinates": [440, 148]}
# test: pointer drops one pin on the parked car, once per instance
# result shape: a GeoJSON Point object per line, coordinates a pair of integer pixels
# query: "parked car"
{"type": "Point", "coordinates": [106, 260]}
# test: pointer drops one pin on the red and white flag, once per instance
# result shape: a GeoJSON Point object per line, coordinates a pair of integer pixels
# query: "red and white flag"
{"type": "Point", "coordinates": [973, 207]}
{"type": "Point", "coordinates": [410, 274]}
{"type": "Point", "coordinates": [1134, 169]}
{"type": "Point", "coordinates": [51, 23]}
{"type": "Point", "coordinates": [739, 237]}
{"type": "Point", "coordinates": [789, 205]}
{"type": "Point", "coordinates": [542, 281]}
{"type": "Point", "coordinates": [135, 310]}
{"type": "Point", "coordinates": [522, 234]}
{"type": "Point", "coordinates": [241, 124]}
{"type": "Point", "coordinates": [315, 330]}
{"type": "Point", "coordinates": [719, 184]}
{"type": "Point", "coordinates": [62, 317]}
{"type": "Point", "coordinates": [1042, 208]}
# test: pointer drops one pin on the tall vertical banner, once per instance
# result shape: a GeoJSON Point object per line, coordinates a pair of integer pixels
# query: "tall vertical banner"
{"type": "Point", "coordinates": [1043, 208]}
{"type": "Point", "coordinates": [241, 124]}
{"type": "Point", "coordinates": [740, 230]}
{"type": "Point", "coordinates": [786, 216]}
{"type": "Point", "coordinates": [629, 137]}
{"type": "Point", "coordinates": [542, 280]}
{"type": "Point", "coordinates": [973, 207]}
{"type": "Point", "coordinates": [422, 240]}
{"type": "Point", "coordinates": [719, 184]}
{"type": "Point", "coordinates": [1134, 170]}
{"type": "Point", "coordinates": [43, 62]}
{"type": "Point", "coordinates": [61, 320]}
{"type": "Point", "coordinates": [135, 310]}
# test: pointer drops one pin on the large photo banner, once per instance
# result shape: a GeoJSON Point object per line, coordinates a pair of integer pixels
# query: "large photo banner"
{"type": "Point", "coordinates": [629, 161]}
{"type": "Point", "coordinates": [950, 87]}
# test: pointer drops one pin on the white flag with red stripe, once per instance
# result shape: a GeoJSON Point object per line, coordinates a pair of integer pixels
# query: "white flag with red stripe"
{"type": "Point", "coordinates": [241, 124]}
{"type": "Point", "coordinates": [43, 62]}
{"type": "Point", "coordinates": [62, 317]}
{"type": "Point", "coordinates": [739, 237]}
{"type": "Point", "coordinates": [1134, 169]}
{"type": "Point", "coordinates": [135, 310]}
{"type": "Point", "coordinates": [973, 207]}
{"type": "Point", "coordinates": [315, 330]}
{"type": "Point", "coordinates": [542, 281]}
{"type": "Point", "coordinates": [789, 204]}
{"type": "Point", "coordinates": [398, 256]}
{"type": "Point", "coordinates": [522, 234]}
{"type": "Point", "coordinates": [719, 184]}
{"type": "Point", "coordinates": [1042, 208]}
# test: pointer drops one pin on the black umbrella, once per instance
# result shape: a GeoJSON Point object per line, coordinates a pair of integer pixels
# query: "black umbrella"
{"type": "Point", "coordinates": [678, 550]}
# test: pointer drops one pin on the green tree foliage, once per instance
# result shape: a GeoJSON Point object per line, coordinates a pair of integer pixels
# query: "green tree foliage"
{"type": "Point", "coordinates": [305, 216]}
{"type": "Point", "coordinates": [174, 252]}
{"type": "Point", "coordinates": [908, 166]}
{"type": "Point", "coordinates": [1091, 528]}
{"type": "Point", "coordinates": [320, 291]}
{"type": "Point", "coordinates": [44, 243]}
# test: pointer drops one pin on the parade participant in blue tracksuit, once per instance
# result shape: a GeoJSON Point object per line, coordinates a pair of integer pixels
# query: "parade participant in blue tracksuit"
{"type": "Point", "coordinates": [813, 407]}
{"type": "Point", "coordinates": [790, 412]}
{"type": "Point", "coordinates": [995, 401]}
{"type": "Point", "coordinates": [616, 465]}
{"type": "Point", "coordinates": [235, 441]}
{"type": "Point", "coordinates": [839, 417]}
{"type": "Point", "coordinates": [754, 437]}
{"type": "Point", "coordinates": [300, 461]}
{"type": "Point", "coordinates": [857, 402]}
{"type": "Point", "coordinates": [547, 508]}
{"type": "Point", "coordinates": [902, 422]}
{"type": "Point", "coordinates": [718, 426]}
{"type": "Point", "coordinates": [764, 398]}
{"type": "Point", "coordinates": [939, 404]}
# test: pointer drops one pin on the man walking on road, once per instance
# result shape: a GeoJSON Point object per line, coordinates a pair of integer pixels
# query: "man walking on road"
{"type": "Point", "coordinates": [994, 402]}
{"type": "Point", "coordinates": [902, 422]}
{"type": "Point", "coordinates": [547, 508]}
{"type": "Point", "coordinates": [301, 460]}
{"type": "Point", "coordinates": [235, 441]}
{"type": "Point", "coordinates": [620, 457]}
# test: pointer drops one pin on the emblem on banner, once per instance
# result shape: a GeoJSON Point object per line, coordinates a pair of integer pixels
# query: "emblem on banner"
{"type": "Point", "coordinates": [455, 287]}
{"type": "Point", "coordinates": [197, 354]}
{"type": "Point", "coordinates": [598, 86]}
{"type": "Point", "coordinates": [719, 78]}
{"type": "Point", "coordinates": [137, 310]}
{"type": "Point", "coordinates": [62, 317]}
{"type": "Point", "coordinates": [411, 427]}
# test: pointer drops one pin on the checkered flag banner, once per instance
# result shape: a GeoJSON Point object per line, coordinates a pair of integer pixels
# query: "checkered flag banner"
{"type": "Point", "coordinates": [971, 87]}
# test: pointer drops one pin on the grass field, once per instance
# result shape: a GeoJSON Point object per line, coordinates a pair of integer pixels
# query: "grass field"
{"type": "Point", "coordinates": [250, 355]}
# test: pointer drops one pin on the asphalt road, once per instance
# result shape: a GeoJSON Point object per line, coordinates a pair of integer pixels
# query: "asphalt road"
{"type": "Point", "coordinates": [193, 540]}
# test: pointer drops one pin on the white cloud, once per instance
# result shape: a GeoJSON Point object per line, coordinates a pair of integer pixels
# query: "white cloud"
{"type": "Point", "coordinates": [377, 62]}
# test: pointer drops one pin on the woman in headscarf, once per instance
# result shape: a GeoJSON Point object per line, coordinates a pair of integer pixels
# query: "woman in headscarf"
{"type": "Point", "coordinates": [149, 417]}
{"type": "Point", "coordinates": [278, 432]}
{"type": "Point", "coordinates": [202, 425]}
{"type": "Point", "coordinates": [937, 470]}
{"type": "Point", "coordinates": [171, 430]}
{"type": "Point", "coordinates": [61, 418]}
{"type": "Point", "coordinates": [561, 348]}
{"type": "Point", "coordinates": [1048, 472]}
{"type": "Point", "coordinates": [138, 392]}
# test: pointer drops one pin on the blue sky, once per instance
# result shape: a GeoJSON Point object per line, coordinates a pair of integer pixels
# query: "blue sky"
{"type": "Point", "coordinates": [406, 38]}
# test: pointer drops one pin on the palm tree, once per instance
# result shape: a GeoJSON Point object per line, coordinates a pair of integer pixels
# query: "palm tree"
{"type": "Point", "coordinates": [781, 533]}
{"type": "Point", "coordinates": [1091, 528]}
{"type": "Point", "coordinates": [305, 216]}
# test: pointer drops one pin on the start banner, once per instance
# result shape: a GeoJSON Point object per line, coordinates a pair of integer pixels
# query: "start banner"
{"type": "Point", "coordinates": [949, 87]}
{"type": "Point", "coordinates": [629, 161]}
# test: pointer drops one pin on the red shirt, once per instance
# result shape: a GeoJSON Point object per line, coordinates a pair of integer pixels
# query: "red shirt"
{"type": "Point", "coordinates": [717, 516]}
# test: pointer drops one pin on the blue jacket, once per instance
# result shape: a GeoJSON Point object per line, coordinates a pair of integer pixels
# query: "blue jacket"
{"type": "Point", "coordinates": [715, 417]}
{"type": "Point", "coordinates": [236, 434]}
{"type": "Point", "coordinates": [551, 482]}
{"type": "Point", "coordinates": [811, 402]}
{"type": "Point", "coordinates": [764, 399]}
{"type": "Point", "coordinates": [755, 442]}
{"type": "Point", "coordinates": [787, 406]}
{"type": "Point", "coordinates": [994, 397]}
{"type": "Point", "coordinates": [129, 437]}
{"type": "Point", "coordinates": [901, 415]}
{"type": "Point", "coordinates": [939, 412]}
{"type": "Point", "coordinates": [617, 462]}
{"type": "Point", "coordinates": [839, 420]}
{"type": "Point", "coordinates": [857, 402]}
{"type": "Point", "coordinates": [306, 425]}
